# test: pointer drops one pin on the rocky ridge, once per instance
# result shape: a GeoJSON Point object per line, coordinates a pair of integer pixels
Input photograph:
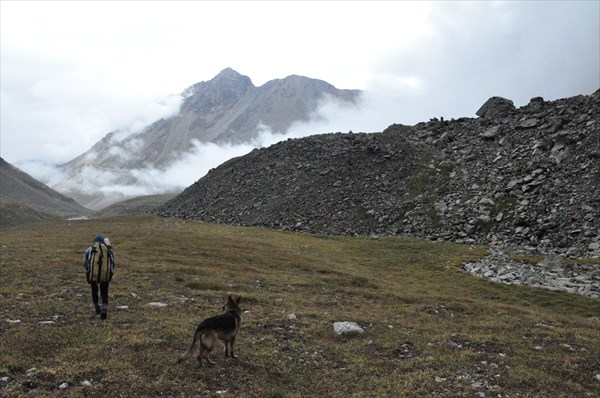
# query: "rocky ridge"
{"type": "Point", "coordinates": [525, 177]}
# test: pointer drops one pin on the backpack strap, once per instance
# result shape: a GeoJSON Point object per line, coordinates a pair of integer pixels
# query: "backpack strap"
{"type": "Point", "coordinates": [100, 262]}
{"type": "Point", "coordinates": [93, 262]}
{"type": "Point", "coordinates": [111, 257]}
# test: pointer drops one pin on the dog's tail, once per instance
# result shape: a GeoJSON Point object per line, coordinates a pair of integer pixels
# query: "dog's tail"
{"type": "Point", "coordinates": [195, 342]}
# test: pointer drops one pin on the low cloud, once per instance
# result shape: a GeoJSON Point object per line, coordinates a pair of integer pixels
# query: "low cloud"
{"type": "Point", "coordinates": [115, 184]}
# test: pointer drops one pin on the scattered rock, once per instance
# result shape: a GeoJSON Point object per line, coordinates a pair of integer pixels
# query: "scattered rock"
{"type": "Point", "coordinates": [552, 272]}
{"type": "Point", "coordinates": [553, 262]}
{"type": "Point", "coordinates": [344, 328]}
{"type": "Point", "coordinates": [158, 304]}
{"type": "Point", "coordinates": [491, 133]}
{"type": "Point", "coordinates": [528, 123]}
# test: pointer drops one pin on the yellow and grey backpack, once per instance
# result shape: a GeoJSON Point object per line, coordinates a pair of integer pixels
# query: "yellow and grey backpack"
{"type": "Point", "coordinates": [101, 264]}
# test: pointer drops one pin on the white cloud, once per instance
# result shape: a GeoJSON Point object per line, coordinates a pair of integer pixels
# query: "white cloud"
{"type": "Point", "coordinates": [189, 168]}
{"type": "Point", "coordinates": [73, 71]}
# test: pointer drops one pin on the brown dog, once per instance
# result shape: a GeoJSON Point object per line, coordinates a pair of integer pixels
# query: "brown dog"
{"type": "Point", "coordinates": [219, 327]}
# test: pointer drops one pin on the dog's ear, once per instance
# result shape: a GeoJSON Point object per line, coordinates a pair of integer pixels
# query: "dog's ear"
{"type": "Point", "coordinates": [238, 299]}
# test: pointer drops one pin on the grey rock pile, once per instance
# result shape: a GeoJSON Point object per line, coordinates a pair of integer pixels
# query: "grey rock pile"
{"type": "Point", "coordinates": [553, 273]}
{"type": "Point", "coordinates": [524, 177]}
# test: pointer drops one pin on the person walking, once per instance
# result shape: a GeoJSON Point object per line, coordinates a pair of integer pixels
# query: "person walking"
{"type": "Point", "coordinates": [99, 264]}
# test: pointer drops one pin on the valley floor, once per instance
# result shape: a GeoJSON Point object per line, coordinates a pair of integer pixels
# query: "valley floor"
{"type": "Point", "coordinates": [430, 328]}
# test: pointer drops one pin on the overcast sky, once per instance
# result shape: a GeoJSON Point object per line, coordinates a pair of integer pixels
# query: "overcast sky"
{"type": "Point", "coordinates": [73, 71]}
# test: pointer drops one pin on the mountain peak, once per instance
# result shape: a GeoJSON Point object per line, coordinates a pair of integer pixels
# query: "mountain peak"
{"type": "Point", "coordinates": [227, 77]}
{"type": "Point", "coordinates": [229, 74]}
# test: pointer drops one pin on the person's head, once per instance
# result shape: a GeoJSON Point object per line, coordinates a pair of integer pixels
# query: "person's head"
{"type": "Point", "coordinates": [99, 238]}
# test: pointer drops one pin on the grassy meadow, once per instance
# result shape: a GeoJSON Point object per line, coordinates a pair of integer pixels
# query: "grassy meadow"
{"type": "Point", "coordinates": [430, 329]}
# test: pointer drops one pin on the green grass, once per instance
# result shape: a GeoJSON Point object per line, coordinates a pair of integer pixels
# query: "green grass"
{"type": "Point", "coordinates": [431, 329]}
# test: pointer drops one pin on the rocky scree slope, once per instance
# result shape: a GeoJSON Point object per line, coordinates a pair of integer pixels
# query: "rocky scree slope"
{"type": "Point", "coordinates": [526, 177]}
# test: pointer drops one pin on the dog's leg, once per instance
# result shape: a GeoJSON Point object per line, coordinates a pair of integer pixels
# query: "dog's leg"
{"type": "Point", "coordinates": [226, 343]}
{"type": "Point", "coordinates": [207, 345]}
{"type": "Point", "coordinates": [207, 357]}
{"type": "Point", "coordinates": [204, 348]}
{"type": "Point", "coordinates": [231, 343]}
{"type": "Point", "coordinates": [207, 352]}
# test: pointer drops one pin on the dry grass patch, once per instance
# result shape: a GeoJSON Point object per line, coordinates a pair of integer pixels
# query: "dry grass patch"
{"type": "Point", "coordinates": [430, 329]}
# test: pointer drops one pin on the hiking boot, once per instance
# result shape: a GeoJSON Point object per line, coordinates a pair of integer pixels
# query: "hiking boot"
{"type": "Point", "coordinates": [103, 313]}
{"type": "Point", "coordinates": [97, 309]}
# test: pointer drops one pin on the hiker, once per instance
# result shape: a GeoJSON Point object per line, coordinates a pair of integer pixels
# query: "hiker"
{"type": "Point", "coordinates": [99, 263]}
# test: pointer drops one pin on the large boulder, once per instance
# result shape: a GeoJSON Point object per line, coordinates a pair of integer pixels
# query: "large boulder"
{"type": "Point", "coordinates": [343, 328]}
{"type": "Point", "coordinates": [496, 107]}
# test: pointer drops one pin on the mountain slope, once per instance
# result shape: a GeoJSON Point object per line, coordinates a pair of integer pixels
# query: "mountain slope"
{"type": "Point", "coordinates": [21, 193]}
{"type": "Point", "coordinates": [528, 177]}
{"type": "Point", "coordinates": [226, 109]}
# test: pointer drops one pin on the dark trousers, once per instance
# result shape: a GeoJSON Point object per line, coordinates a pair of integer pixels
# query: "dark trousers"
{"type": "Point", "coordinates": [103, 293]}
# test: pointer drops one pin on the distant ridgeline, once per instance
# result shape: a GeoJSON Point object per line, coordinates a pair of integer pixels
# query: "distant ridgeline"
{"type": "Point", "coordinates": [528, 177]}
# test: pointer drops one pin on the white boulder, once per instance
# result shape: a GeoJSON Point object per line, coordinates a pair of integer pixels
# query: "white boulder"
{"type": "Point", "coordinates": [341, 328]}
